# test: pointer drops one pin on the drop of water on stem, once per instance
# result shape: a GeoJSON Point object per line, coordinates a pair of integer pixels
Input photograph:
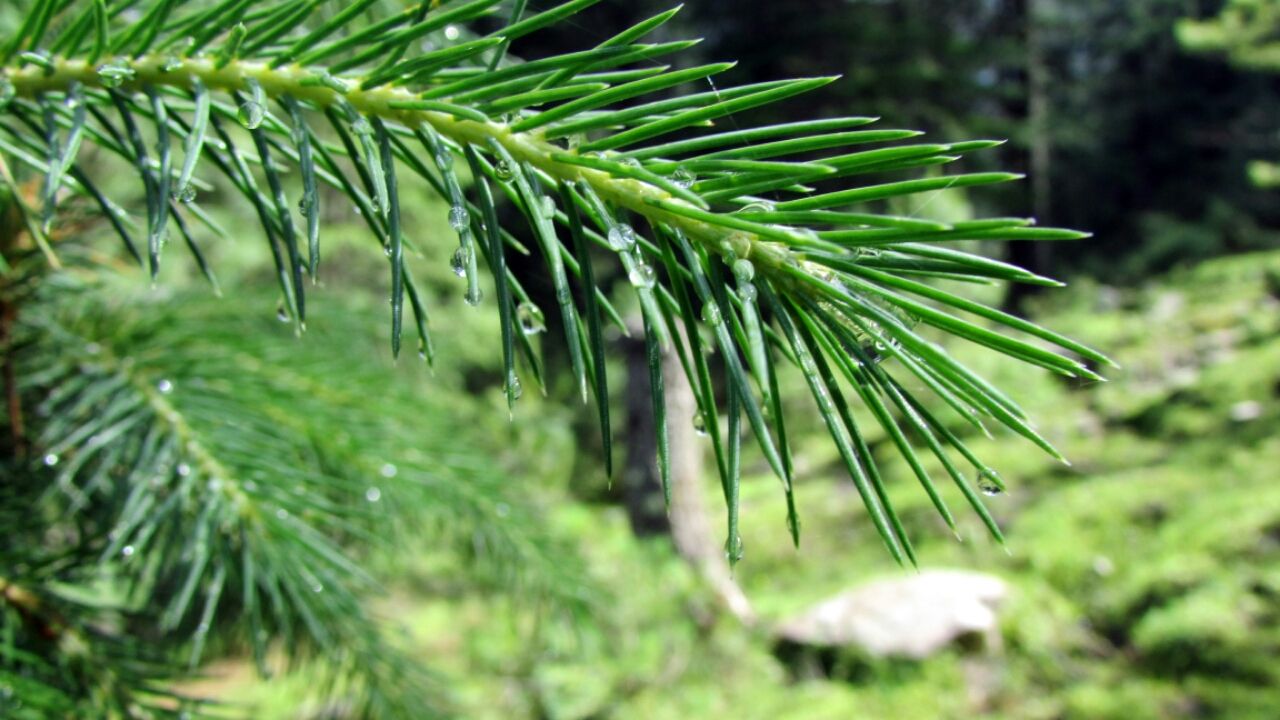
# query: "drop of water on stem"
{"type": "Point", "coordinates": [459, 262]}
{"type": "Point", "coordinates": [642, 276]}
{"type": "Point", "coordinates": [531, 318]}
{"type": "Point", "coordinates": [622, 237]}
{"type": "Point", "coordinates": [700, 424]}
{"type": "Point", "coordinates": [989, 482]}
{"type": "Point", "coordinates": [251, 114]}
{"type": "Point", "coordinates": [459, 218]}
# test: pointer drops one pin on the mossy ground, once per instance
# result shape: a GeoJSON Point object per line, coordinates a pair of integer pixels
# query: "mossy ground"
{"type": "Point", "coordinates": [1145, 578]}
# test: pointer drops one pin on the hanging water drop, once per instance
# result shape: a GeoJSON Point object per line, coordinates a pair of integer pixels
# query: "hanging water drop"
{"type": "Point", "coordinates": [183, 470]}
{"type": "Point", "coordinates": [251, 114]}
{"type": "Point", "coordinates": [282, 314]}
{"type": "Point", "coordinates": [743, 271]}
{"type": "Point", "coordinates": [473, 296]}
{"type": "Point", "coordinates": [127, 551]}
{"type": "Point", "coordinates": [548, 206]}
{"type": "Point", "coordinates": [747, 292]}
{"type": "Point", "coordinates": [165, 387]}
{"type": "Point", "coordinates": [711, 314]}
{"type": "Point", "coordinates": [187, 194]}
{"type": "Point", "coordinates": [733, 549]}
{"type": "Point", "coordinates": [459, 218]}
{"type": "Point", "coordinates": [171, 64]}
{"type": "Point", "coordinates": [373, 494]}
{"type": "Point", "coordinates": [531, 318]}
{"type": "Point", "coordinates": [50, 460]}
{"type": "Point", "coordinates": [642, 276]}
{"type": "Point", "coordinates": [700, 424]}
{"type": "Point", "coordinates": [514, 387]}
{"type": "Point", "coordinates": [622, 237]}
{"type": "Point", "coordinates": [989, 482]}
{"type": "Point", "coordinates": [282, 514]}
{"type": "Point", "coordinates": [452, 32]}
{"type": "Point", "coordinates": [459, 262]}
{"type": "Point", "coordinates": [388, 470]}
{"type": "Point", "coordinates": [317, 588]}
{"type": "Point", "coordinates": [683, 177]}
{"type": "Point", "coordinates": [504, 171]}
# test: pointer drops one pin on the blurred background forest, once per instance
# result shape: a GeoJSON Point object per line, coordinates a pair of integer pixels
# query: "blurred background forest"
{"type": "Point", "coordinates": [1143, 581]}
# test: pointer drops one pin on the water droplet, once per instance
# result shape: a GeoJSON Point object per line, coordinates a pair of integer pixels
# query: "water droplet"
{"type": "Point", "coordinates": [50, 460]}
{"type": "Point", "coordinates": [622, 237]}
{"type": "Point", "coordinates": [733, 549]}
{"type": "Point", "coordinates": [317, 588]}
{"type": "Point", "coordinates": [249, 486]}
{"type": "Point", "coordinates": [682, 177]}
{"type": "Point", "coordinates": [127, 551]}
{"type": "Point", "coordinates": [183, 470]}
{"type": "Point", "coordinates": [251, 114]}
{"type": "Point", "coordinates": [989, 482]}
{"type": "Point", "coordinates": [515, 387]}
{"type": "Point", "coordinates": [711, 314]}
{"type": "Point", "coordinates": [531, 318]}
{"type": "Point", "coordinates": [642, 276]}
{"type": "Point", "coordinates": [459, 218]}
{"type": "Point", "coordinates": [700, 424]}
{"type": "Point", "coordinates": [165, 387]}
{"type": "Point", "coordinates": [504, 171]}
{"type": "Point", "coordinates": [171, 64]}
{"type": "Point", "coordinates": [629, 162]}
{"type": "Point", "coordinates": [388, 470]}
{"type": "Point", "coordinates": [747, 292]}
{"type": "Point", "coordinates": [473, 296]}
{"type": "Point", "coordinates": [459, 262]}
{"type": "Point", "coordinates": [361, 127]}
{"type": "Point", "coordinates": [113, 75]}
{"type": "Point", "coordinates": [282, 314]}
{"type": "Point", "coordinates": [187, 194]}
{"type": "Point", "coordinates": [373, 494]}
{"type": "Point", "coordinates": [502, 509]}
{"type": "Point", "coordinates": [305, 204]}
{"type": "Point", "coordinates": [548, 206]}
{"type": "Point", "coordinates": [215, 485]}
{"type": "Point", "coordinates": [92, 348]}
{"type": "Point", "coordinates": [452, 32]}
{"type": "Point", "coordinates": [282, 514]}
{"type": "Point", "coordinates": [743, 271]}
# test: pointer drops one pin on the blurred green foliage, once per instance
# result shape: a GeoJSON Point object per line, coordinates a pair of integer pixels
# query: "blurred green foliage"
{"type": "Point", "coordinates": [1145, 579]}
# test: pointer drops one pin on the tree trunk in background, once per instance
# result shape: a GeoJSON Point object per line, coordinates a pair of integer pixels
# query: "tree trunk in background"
{"type": "Point", "coordinates": [1034, 256]}
{"type": "Point", "coordinates": [689, 520]}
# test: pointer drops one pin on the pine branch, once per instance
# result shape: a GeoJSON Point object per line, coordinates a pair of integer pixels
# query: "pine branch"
{"type": "Point", "coordinates": [818, 275]}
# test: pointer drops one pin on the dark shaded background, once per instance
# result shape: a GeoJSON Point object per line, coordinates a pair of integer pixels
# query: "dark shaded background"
{"type": "Point", "coordinates": [1123, 132]}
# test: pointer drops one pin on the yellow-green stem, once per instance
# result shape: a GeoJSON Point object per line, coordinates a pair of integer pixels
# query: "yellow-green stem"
{"type": "Point", "coordinates": [301, 83]}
